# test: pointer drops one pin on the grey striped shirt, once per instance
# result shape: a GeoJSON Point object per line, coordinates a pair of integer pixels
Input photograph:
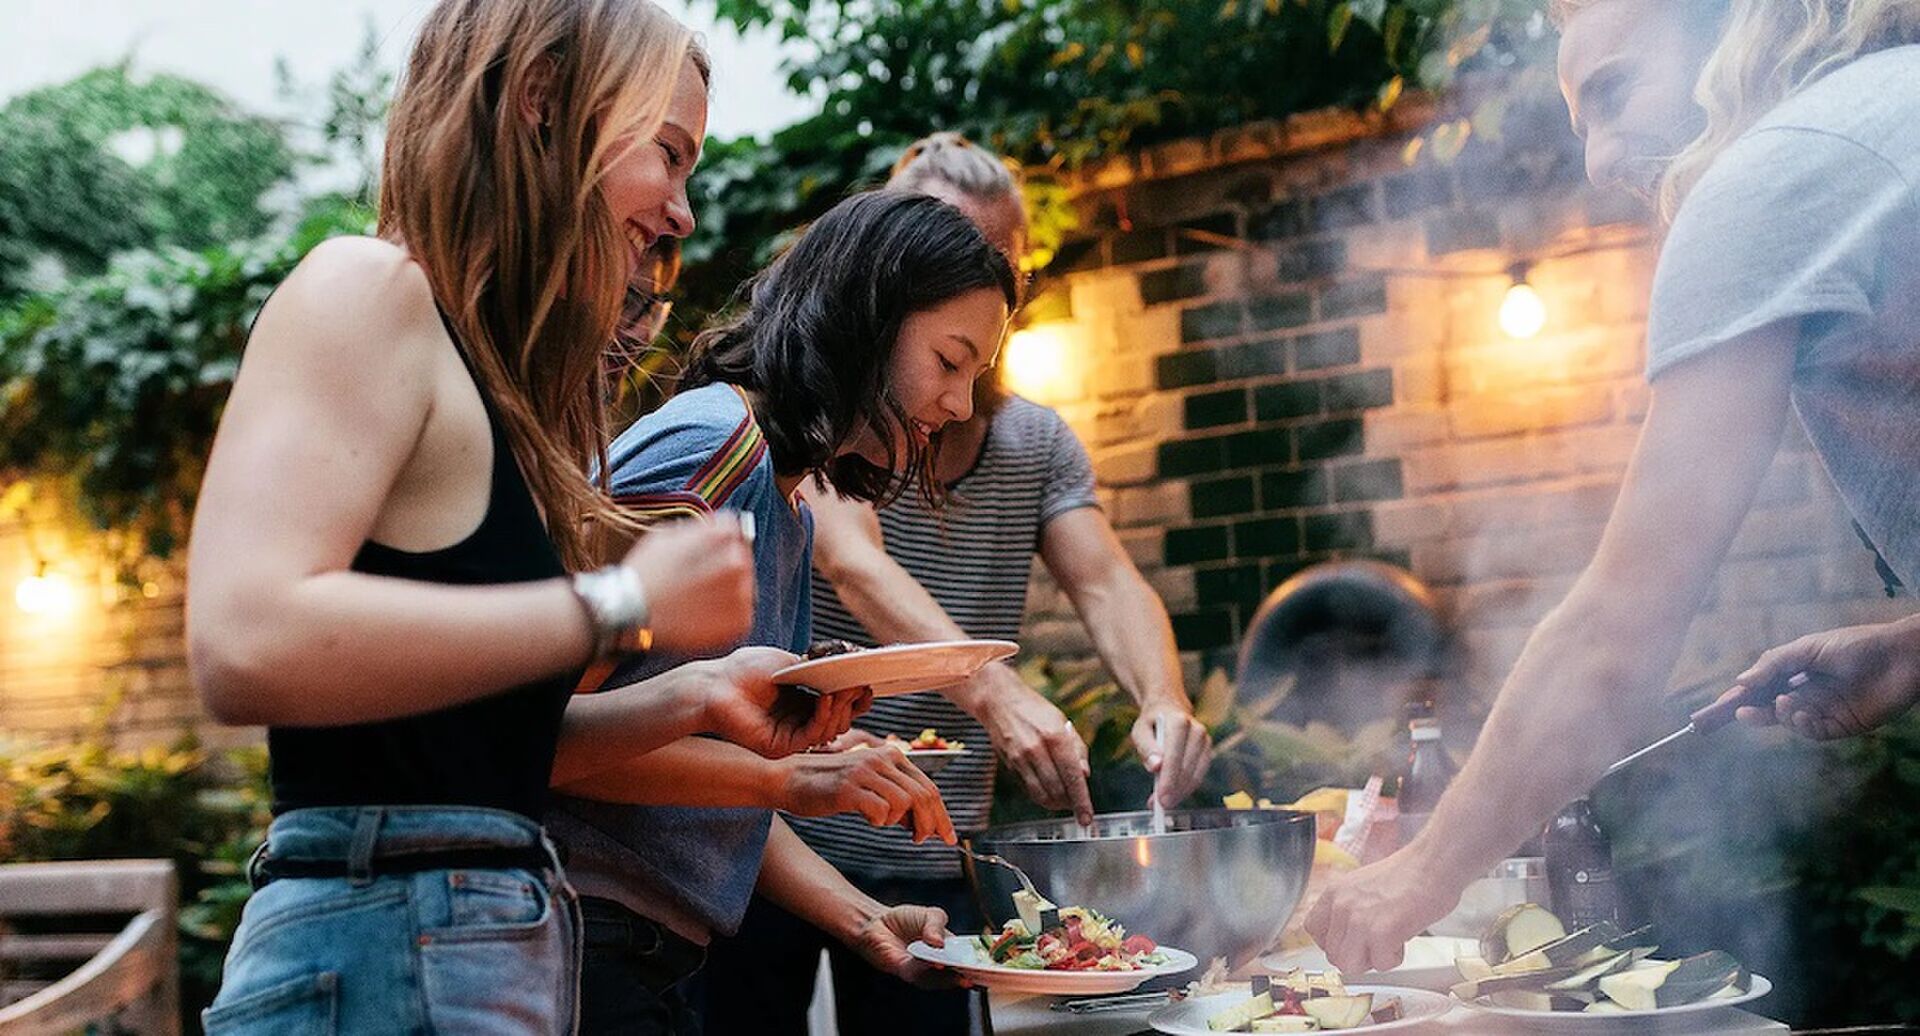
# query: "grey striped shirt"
{"type": "Point", "coordinates": [975, 558]}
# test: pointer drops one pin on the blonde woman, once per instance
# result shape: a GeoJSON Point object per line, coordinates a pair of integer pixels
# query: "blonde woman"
{"type": "Point", "coordinates": [396, 495]}
{"type": "Point", "coordinates": [1780, 137]}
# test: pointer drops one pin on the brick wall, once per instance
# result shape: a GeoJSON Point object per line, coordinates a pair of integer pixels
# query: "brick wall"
{"type": "Point", "coordinates": [113, 664]}
{"type": "Point", "coordinates": [1287, 352]}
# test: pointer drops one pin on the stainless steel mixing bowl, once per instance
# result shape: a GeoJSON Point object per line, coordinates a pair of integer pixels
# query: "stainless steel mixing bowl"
{"type": "Point", "coordinates": [1217, 883]}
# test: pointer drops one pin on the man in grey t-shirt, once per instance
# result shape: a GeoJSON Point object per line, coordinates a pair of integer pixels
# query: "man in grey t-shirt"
{"type": "Point", "coordinates": [1787, 283]}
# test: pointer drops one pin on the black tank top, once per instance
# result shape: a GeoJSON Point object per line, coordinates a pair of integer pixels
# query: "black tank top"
{"type": "Point", "coordinates": [495, 751]}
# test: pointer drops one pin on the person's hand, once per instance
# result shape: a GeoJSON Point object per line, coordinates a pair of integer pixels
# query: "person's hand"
{"type": "Point", "coordinates": [1857, 678]}
{"type": "Point", "coordinates": [882, 942]}
{"type": "Point", "coordinates": [698, 576]}
{"type": "Point", "coordinates": [854, 738]}
{"type": "Point", "coordinates": [738, 697]}
{"type": "Point", "coordinates": [880, 784]}
{"type": "Point", "coordinates": [1037, 741]}
{"type": "Point", "coordinates": [1182, 765]}
{"type": "Point", "coordinates": [1364, 917]}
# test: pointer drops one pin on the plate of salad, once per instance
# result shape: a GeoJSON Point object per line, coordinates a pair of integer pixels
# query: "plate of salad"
{"type": "Point", "coordinates": [1073, 951]}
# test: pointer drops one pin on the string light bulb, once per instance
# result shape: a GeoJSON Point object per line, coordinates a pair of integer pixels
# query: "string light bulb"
{"type": "Point", "coordinates": [44, 593]}
{"type": "Point", "coordinates": [1522, 312]}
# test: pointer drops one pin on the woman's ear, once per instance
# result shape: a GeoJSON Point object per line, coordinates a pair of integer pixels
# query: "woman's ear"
{"type": "Point", "coordinates": [535, 102]}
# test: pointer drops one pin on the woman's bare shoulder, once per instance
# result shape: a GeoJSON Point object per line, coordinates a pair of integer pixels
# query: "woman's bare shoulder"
{"type": "Point", "coordinates": [357, 299]}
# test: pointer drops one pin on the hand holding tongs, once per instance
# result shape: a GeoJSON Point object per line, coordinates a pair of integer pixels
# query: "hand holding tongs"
{"type": "Point", "coordinates": [1712, 717]}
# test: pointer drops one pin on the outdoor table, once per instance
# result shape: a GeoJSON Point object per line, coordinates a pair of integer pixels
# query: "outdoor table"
{"type": "Point", "coordinates": [1018, 1014]}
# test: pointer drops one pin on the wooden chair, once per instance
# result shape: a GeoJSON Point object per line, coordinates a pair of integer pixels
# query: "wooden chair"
{"type": "Point", "coordinates": [131, 977]}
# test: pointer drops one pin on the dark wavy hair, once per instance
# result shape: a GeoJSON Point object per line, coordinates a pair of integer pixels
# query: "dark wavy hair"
{"type": "Point", "coordinates": [816, 330]}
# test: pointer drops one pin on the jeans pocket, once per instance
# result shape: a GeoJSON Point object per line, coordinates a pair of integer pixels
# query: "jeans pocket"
{"type": "Point", "coordinates": [489, 905]}
{"type": "Point", "coordinates": [305, 1006]}
{"type": "Point", "coordinates": [502, 973]}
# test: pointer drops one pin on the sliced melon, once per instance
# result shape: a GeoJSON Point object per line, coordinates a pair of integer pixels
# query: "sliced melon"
{"type": "Point", "coordinates": [1605, 1007]}
{"type": "Point", "coordinates": [1534, 1000]}
{"type": "Point", "coordinates": [1340, 1012]}
{"type": "Point", "coordinates": [1673, 983]}
{"type": "Point", "coordinates": [1030, 905]}
{"type": "Point", "coordinates": [1519, 929]}
{"type": "Point", "coordinates": [1633, 940]}
{"type": "Point", "coordinates": [1533, 981]}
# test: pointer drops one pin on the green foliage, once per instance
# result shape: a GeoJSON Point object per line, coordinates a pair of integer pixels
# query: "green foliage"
{"type": "Point", "coordinates": [69, 193]}
{"type": "Point", "coordinates": [85, 802]}
{"type": "Point", "coordinates": [112, 385]}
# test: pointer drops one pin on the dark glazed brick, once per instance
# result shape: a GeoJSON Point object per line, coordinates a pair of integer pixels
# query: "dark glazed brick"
{"type": "Point", "coordinates": [1278, 572]}
{"type": "Point", "coordinates": [1281, 220]}
{"type": "Point", "coordinates": [1189, 457]}
{"type": "Point", "coordinates": [1212, 409]}
{"type": "Point", "coordinates": [1339, 347]}
{"type": "Point", "coordinates": [1358, 298]}
{"type": "Point", "coordinates": [1266, 538]}
{"type": "Point", "coordinates": [1253, 359]}
{"type": "Point", "coordinates": [1196, 544]}
{"type": "Point", "coordinates": [1139, 246]}
{"type": "Point", "coordinates": [1170, 285]}
{"type": "Point", "coordinates": [1289, 399]}
{"type": "Point", "coordinates": [1221, 497]}
{"type": "Point", "coordinates": [1310, 261]}
{"type": "Point", "coordinates": [1344, 208]}
{"type": "Point", "coordinates": [1373, 480]}
{"type": "Point", "coordinates": [1451, 232]}
{"type": "Point", "coordinates": [1219, 320]}
{"type": "Point", "coordinates": [1409, 193]}
{"type": "Point", "coordinates": [1224, 224]}
{"type": "Point", "coordinates": [1277, 312]}
{"type": "Point", "coordinates": [1327, 439]}
{"type": "Point", "coordinates": [1285, 490]}
{"type": "Point", "coordinates": [1198, 631]}
{"type": "Point", "coordinates": [1261, 449]}
{"type": "Point", "coordinates": [1238, 585]}
{"type": "Point", "coordinates": [1350, 531]}
{"type": "Point", "coordinates": [1179, 370]}
{"type": "Point", "coordinates": [1362, 391]}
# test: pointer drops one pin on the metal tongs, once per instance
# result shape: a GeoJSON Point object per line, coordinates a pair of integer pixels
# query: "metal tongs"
{"type": "Point", "coordinates": [1710, 718]}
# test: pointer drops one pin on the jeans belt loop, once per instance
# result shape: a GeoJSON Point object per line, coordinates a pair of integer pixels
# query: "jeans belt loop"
{"type": "Point", "coordinates": [366, 835]}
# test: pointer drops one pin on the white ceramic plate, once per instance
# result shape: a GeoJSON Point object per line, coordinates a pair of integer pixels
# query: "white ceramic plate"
{"type": "Point", "coordinates": [933, 760]}
{"type": "Point", "coordinates": [964, 955]}
{"type": "Point", "coordinates": [1189, 1017]}
{"type": "Point", "coordinates": [1563, 1021]}
{"type": "Point", "coordinates": [898, 668]}
{"type": "Point", "coordinates": [1427, 964]}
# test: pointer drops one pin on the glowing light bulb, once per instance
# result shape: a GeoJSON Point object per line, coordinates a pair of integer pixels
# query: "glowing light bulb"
{"type": "Point", "coordinates": [1036, 363]}
{"type": "Point", "coordinates": [1522, 312]}
{"type": "Point", "coordinates": [44, 594]}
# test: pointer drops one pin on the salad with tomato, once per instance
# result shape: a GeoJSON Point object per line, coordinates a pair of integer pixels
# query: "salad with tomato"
{"type": "Point", "coordinates": [1082, 941]}
{"type": "Point", "coordinates": [928, 741]}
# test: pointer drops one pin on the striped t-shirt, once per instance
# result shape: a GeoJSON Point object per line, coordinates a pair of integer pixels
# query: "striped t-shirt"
{"type": "Point", "coordinates": [975, 558]}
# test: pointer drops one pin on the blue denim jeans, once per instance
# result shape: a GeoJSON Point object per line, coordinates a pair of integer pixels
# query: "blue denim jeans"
{"type": "Point", "coordinates": [442, 951]}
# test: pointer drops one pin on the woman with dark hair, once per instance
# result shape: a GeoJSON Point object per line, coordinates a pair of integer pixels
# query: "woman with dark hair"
{"type": "Point", "coordinates": [851, 352]}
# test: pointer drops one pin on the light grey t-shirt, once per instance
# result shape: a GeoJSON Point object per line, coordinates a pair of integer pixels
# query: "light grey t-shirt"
{"type": "Point", "coordinates": [1812, 218]}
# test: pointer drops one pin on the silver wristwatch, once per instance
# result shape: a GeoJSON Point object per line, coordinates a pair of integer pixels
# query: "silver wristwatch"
{"type": "Point", "coordinates": [616, 605]}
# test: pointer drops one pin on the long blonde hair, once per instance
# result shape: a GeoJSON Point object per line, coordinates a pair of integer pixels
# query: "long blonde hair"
{"type": "Point", "coordinates": [1768, 51]}
{"type": "Point", "coordinates": [507, 218]}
